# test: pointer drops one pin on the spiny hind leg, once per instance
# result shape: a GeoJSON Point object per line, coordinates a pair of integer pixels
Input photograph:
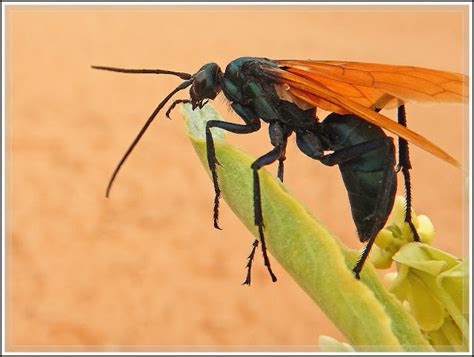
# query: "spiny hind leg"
{"type": "Point", "coordinates": [404, 165]}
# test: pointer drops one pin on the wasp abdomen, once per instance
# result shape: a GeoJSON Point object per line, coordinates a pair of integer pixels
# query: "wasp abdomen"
{"type": "Point", "coordinates": [369, 171]}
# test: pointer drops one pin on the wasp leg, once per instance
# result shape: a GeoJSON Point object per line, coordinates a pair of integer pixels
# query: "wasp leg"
{"type": "Point", "coordinates": [249, 262]}
{"type": "Point", "coordinates": [174, 104]}
{"type": "Point", "coordinates": [404, 165]}
{"type": "Point", "coordinates": [264, 160]}
{"type": "Point", "coordinates": [278, 136]}
{"type": "Point", "coordinates": [353, 152]}
{"type": "Point", "coordinates": [281, 167]}
{"type": "Point", "coordinates": [252, 124]}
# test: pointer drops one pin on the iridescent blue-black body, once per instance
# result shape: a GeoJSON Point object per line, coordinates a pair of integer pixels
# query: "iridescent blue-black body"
{"type": "Point", "coordinates": [246, 82]}
{"type": "Point", "coordinates": [368, 174]}
{"type": "Point", "coordinates": [364, 154]}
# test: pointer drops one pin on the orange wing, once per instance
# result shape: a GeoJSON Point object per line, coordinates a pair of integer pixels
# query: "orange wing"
{"type": "Point", "coordinates": [367, 83]}
{"type": "Point", "coordinates": [359, 88]}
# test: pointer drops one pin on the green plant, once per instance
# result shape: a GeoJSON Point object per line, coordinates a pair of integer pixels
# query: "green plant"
{"type": "Point", "coordinates": [371, 317]}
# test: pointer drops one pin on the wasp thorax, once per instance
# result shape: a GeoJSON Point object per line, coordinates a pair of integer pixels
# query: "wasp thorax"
{"type": "Point", "coordinates": [206, 83]}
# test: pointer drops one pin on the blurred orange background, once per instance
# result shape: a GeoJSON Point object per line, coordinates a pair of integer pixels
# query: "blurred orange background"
{"type": "Point", "coordinates": [145, 269]}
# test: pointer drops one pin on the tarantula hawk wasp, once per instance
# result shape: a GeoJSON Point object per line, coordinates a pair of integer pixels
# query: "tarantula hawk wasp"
{"type": "Point", "coordinates": [286, 93]}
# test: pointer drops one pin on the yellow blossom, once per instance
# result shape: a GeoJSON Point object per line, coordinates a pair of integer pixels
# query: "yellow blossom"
{"type": "Point", "coordinates": [435, 285]}
{"type": "Point", "coordinates": [397, 233]}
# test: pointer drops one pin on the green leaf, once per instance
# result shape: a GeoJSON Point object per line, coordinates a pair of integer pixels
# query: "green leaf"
{"type": "Point", "coordinates": [369, 316]}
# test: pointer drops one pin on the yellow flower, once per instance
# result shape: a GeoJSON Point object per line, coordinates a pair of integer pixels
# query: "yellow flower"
{"type": "Point", "coordinates": [397, 233]}
{"type": "Point", "coordinates": [435, 285]}
{"type": "Point", "coordinates": [431, 284]}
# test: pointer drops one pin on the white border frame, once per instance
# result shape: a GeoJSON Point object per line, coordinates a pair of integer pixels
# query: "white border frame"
{"type": "Point", "coordinates": [469, 162]}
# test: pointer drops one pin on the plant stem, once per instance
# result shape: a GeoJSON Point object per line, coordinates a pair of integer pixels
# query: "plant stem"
{"type": "Point", "coordinates": [371, 318]}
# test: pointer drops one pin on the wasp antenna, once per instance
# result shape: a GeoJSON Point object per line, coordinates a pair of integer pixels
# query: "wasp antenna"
{"type": "Point", "coordinates": [142, 131]}
{"type": "Point", "coordinates": [181, 75]}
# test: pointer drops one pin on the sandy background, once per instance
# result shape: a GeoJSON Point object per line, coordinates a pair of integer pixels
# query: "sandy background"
{"type": "Point", "coordinates": [145, 269]}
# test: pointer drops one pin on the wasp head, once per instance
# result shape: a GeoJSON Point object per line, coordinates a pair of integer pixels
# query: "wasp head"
{"type": "Point", "coordinates": [206, 84]}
